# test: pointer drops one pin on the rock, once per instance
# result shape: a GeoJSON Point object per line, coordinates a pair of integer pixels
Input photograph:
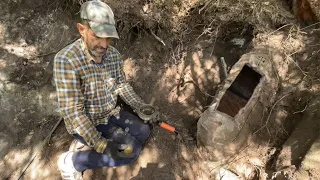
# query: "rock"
{"type": "Point", "coordinates": [185, 154]}
{"type": "Point", "coordinates": [173, 137]}
{"type": "Point", "coordinates": [238, 42]}
{"type": "Point", "coordinates": [312, 159]}
{"type": "Point", "coordinates": [189, 138]}
{"type": "Point", "coordinates": [215, 128]}
{"type": "Point", "coordinates": [223, 127]}
{"type": "Point", "coordinates": [302, 174]}
{"type": "Point", "coordinates": [302, 137]}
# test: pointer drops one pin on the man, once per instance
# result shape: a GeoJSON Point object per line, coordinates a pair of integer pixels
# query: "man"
{"type": "Point", "coordinates": [89, 78]}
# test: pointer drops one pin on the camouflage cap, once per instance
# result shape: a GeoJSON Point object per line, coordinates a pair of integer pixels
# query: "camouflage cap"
{"type": "Point", "coordinates": [100, 18]}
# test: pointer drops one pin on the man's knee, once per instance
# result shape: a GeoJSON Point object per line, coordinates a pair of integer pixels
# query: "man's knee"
{"type": "Point", "coordinates": [140, 130]}
{"type": "Point", "coordinates": [144, 132]}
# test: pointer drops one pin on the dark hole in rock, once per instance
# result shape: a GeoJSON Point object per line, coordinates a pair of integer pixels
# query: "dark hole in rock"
{"type": "Point", "coordinates": [240, 91]}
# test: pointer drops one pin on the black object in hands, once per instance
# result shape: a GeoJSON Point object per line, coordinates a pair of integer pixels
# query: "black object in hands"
{"type": "Point", "coordinates": [118, 150]}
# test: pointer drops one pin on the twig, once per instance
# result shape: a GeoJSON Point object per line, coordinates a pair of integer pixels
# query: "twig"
{"type": "Point", "coordinates": [207, 3]}
{"type": "Point", "coordinates": [159, 39]}
{"type": "Point", "coordinates": [134, 25]}
{"type": "Point", "coordinates": [280, 28]}
{"type": "Point", "coordinates": [310, 25]}
{"type": "Point", "coordinates": [301, 110]}
{"type": "Point", "coordinates": [180, 54]}
{"type": "Point", "coordinates": [311, 45]}
{"type": "Point", "coordinates": [304, 107]}
{"type": "Point", "coordinates": [295, 63]}
{"type": "Point", "coordinates": [232, 159]}
{"type": "Point", "coordinates": [204, 32]}
{"type": "Point", "coordinates": [203, 92]}
{"type": "Point", "coordinates": [262, 117]}
{"type": "Point", "coordinates": [52, 131]}
{"type": "Point", "coordinates": [27, 165]}
{"type": "Point", "coordinates": [38, 148]}
{"type": "Point", "coordinates": [274, 105]}
{"type": "Point", "coordinates": [47, 54]}
{"type": "Point", "coordinates": [215, 39]}
{"type": "Point", "coordinates": [284, 129]}
{"type": "Point", "coordinates": [313, 54]}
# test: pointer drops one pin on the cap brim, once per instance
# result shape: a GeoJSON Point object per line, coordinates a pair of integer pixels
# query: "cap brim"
{"type": "Point", "coordinates": [104, 30]}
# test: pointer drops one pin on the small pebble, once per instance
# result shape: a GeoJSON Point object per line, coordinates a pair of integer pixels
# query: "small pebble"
{"type": "Point", "coordinates": [173, 137]}
{"type": "Point", "coordinates": [189, 138]}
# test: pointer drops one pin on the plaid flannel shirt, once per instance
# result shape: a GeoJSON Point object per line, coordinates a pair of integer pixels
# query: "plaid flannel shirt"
{"type": "Point", "coordinates": [87, 93]}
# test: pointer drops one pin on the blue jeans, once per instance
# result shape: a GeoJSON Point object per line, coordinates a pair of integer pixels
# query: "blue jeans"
{"type": "Point", "coordinates": [137, 133]}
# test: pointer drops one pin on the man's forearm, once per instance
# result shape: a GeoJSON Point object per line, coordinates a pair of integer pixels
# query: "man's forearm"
{"type": "Point", "coordinates": [101, 145]}
{"type": "Point", "coordinates": [85, 128]}
{"type": "Point", "coordinates": [127, 94]}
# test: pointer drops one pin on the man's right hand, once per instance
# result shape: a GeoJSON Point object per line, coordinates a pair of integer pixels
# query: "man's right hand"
{"type": "Point", "coordinates": [118, 150]}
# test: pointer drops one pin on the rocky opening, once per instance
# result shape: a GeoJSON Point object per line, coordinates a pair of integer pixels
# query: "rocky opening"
{"type": "Point", "coordinates": [240, 91]}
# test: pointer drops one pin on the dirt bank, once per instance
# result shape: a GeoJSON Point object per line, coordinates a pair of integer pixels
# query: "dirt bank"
{"type": "Point", "coordinates": [172, 52]}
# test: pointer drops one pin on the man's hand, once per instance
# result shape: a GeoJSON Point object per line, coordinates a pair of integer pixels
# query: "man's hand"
{"type": "Point", "coordinates": [118, 150]}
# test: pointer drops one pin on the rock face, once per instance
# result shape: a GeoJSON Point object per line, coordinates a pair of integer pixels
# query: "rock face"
{"type": "Point", "coordinates": [251, 85]}
{"type": "Point", "coordinates": [312, 159]}
{"type": "Point", "coordinates": [315, 6]}
{"type": "Point", "coordinates": [307, 11]}
{"type": "Point", "coordinates": [305, 135]}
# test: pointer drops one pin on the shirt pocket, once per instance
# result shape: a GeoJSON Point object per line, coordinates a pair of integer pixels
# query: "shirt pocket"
{"type": "Point", "coordinates": [99, 90]}
{"type": "Point", "coordinates": [94, 89]}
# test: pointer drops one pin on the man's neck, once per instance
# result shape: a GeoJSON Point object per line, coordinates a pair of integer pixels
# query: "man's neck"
{"type": "Point", "coordinates": [97, 59]}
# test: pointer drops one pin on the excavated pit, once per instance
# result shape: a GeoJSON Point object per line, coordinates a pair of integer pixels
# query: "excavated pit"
{"type": "Point", "coordinates": [240, 91]}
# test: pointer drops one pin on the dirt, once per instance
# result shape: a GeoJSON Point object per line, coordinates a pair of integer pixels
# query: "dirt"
{"type": "Point", "coordinates": [179, 75]}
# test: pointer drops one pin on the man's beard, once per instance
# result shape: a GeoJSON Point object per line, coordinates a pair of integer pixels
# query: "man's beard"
{"type": "Point", "coordinates": [95, 53]}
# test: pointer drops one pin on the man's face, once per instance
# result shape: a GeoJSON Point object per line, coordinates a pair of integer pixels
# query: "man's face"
{"type": "Point", "coordinates": [96, 46]}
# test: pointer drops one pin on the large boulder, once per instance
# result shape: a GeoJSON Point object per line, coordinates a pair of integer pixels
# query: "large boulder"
{"type": "Point", "coordinates": [240, 99]}
{"type": "Point", "coordinates": [296, 152]}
